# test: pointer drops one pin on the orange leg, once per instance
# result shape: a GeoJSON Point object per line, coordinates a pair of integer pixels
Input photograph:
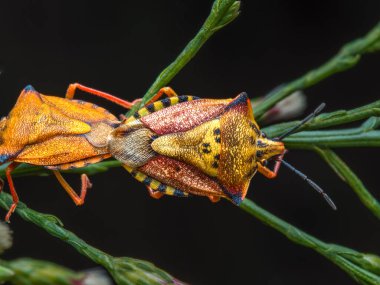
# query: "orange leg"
{"type": "Point", "coordinates": [154, 194]}
{"type": "Point", "coordinates": [271, 173]}
{"type": "Point", "coordinates": [168, 91]}
{"type": "Point", "coordinates": [214, 199]}
{"type": "Point", "coordinates": [8, 171]}
{"type": "Point", "coordinates": [86, 184]}
{"type": "Point", "coordinates": [73, 87]}
{"type": "Point", "coordinates": [122, 117]}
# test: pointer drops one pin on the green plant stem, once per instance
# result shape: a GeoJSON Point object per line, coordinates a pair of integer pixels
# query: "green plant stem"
{"type": "Point", "coordinates": [347, 57]}
{"type": "Point", "coordinates": [27, 169]}
{"type": "Point", "coordinates": [326, 120]}
{"type": "Point", "coordinates": [341, 256]}
{"type": "Point", "coordinates": [330, 139]}
{"type": "Point", "coordinates": [349, 177]}
{"type": "Point", "coordinates": [54, 227]}
{"type": "Point", "coordinates": [364, 136]}
{"type": "Point", "coordinates": [116, 266]}
{"type": "Point", "coordinates": [222, 13]}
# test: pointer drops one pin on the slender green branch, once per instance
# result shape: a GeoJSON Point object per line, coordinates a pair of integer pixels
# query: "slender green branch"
{"type": "Point", "coordinates": [222, 13]}
{"type": "Point", "coordinates": [27, 169]}
{"type": "Point", "coordinates": [363, 136]}
{"type": "Point", "coordinates": [348, 176]}
{"type": "Point", "coordinates": [299, 140]}
{"type": "Point", "coordinates": [325, 120]}
{"type": "Point", "coordinates": [356, 264]}
{"type": "Point", "coordinates": [124, 270]}
{"type": "Point", "coordinates": [347, 57]}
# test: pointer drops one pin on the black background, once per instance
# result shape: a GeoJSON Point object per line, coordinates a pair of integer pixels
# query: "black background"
{"type": "Point", "coordinates": [120, 48]}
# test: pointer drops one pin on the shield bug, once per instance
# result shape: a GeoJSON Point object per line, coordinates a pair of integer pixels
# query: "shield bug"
{"type": "Point", "coordinates": [185, 146]}
{"type": "Point", "coordinates": [57, 133]}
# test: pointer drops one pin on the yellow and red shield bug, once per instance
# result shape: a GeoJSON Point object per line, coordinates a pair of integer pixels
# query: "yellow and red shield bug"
{"type": "Point", "coordinates": [57, 133]}
{"type": "Point", "coordinates": [183, 145]}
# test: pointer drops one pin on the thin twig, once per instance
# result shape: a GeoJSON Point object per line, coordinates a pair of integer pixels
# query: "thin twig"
{"type": "Point", "coordinates": [222, 13]}
{"type": "Point", "coordinates": [349, 177]}
{"type": "Point", "coordinates": [351, 261]}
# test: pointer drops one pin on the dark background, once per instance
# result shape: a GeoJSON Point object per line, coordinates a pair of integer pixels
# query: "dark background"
{"type": "Point", "coordinates": [121, 48]}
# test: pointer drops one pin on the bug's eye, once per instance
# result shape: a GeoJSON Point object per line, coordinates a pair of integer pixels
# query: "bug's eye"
{"type": "Point", "coordinates": [264, 135]}
{"type": "Point", "coordinates": [264, 162]}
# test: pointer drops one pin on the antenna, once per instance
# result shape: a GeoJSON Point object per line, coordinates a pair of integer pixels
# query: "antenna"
{"type": "Point", "coordinates": [311, 183]}
{"type": "Point", "coordinates": [304, 121]}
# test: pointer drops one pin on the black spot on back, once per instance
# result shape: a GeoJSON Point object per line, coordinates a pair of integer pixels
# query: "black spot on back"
{"type": "Point", "coordinates": [261, 144]}
{"type": "Point", "coordinates": [215, 164]}
{"type": "Point", "coordinates": [217, 131]}
{"type": "Point", "coordinates": [206, 148]}
{"type": "Point", "coordinates": [259, 153]}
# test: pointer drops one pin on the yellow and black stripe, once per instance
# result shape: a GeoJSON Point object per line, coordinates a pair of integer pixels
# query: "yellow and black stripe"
{"type": "Point", "coordinates": [155, 184]}
{"type": "Point", "coordinates": [161, 104]}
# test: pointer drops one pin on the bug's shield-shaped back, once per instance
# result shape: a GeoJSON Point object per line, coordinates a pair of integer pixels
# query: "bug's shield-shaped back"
{"type": "Point", "coordinates": [48, 130]}
{"type": "Point", "coordinates": [223, 147]}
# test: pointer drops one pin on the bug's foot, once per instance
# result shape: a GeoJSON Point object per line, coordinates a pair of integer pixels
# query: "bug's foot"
{"type": "Point", "coordinates": [154, 194]}
{"type": "Point", "coordinates": [10, 212]}
{"type": "Point", "coordinates": [214, 199]}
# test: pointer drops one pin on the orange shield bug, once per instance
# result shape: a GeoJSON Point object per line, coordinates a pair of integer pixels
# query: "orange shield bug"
{"type": "Point", "coordinates": [183, 145]}
{"type": "Point", "coordinates": [57, 133]}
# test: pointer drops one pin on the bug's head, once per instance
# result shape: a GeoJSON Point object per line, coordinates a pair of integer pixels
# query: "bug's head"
{"type": "Point", "coordinates": [267, 148]}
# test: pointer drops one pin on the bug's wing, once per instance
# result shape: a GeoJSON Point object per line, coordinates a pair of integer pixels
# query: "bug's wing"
{"type": "Point", "coordinates": [185, 116]}
{"type": "Point", "coordinates": [33, 121]}
{"type": "Point", "coordinates": [182, 176]}
{"type": "Point", "coordinates": [59, 150]}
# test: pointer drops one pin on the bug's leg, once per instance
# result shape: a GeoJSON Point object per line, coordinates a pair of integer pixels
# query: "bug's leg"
{"type": "Point", "coordinates": [73, 87]}
{"type": "Point", "coordinates": [122, 117]}
{"type": "Point", "coordinates": [271, 173]}
{"type": "Point", "coordinates": [154, 193]}
{"type": "Point", "coordinates": [158, 190]}
{"type": "Point", "coordinates": [214, 199]}
{"type": "Point", "coordinates": [8, 171]}
{"type": "Point", "coordinates": [168, 91]}
{"type": "Point", "coordinates": [86, 184]}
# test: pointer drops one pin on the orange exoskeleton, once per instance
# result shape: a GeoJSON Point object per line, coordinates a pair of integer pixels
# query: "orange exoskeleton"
{"type": "Point", "coordinates": [57, 133]}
